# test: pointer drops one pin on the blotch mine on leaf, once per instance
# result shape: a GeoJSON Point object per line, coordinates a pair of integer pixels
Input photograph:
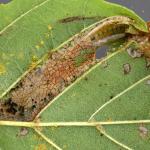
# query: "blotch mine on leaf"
{"type": "Point", "coordinates": [66, 64]}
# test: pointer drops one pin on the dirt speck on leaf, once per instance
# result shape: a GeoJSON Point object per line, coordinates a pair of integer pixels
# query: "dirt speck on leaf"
{"type": "Point", "coordinates": [111, 96]}
{"type": "Point", "coordinates": [23, 132]}
{"type": "Point", "coordinates": [143, 132]}
{"type": "Point", "coordinates": [126, 68]}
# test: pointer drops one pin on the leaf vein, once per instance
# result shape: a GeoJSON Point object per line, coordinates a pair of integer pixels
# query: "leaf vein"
{"type": "Point", "coordinates": [117, 96]}
{"type": "Point", "coordinates": [48, 140]}
{"type": "Point", "coordinates": [22, 15]}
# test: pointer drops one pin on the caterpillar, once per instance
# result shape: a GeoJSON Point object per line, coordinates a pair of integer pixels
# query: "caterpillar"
{"type": "Point", "coordinates": [63, 67]}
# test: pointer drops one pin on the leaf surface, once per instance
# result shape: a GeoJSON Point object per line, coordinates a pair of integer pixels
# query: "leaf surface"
{"type": "Point", "coordinates": [28, 31]}
{"type": "Point", "coordinates": [126, 95]}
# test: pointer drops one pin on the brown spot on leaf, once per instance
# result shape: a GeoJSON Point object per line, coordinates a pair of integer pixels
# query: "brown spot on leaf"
{"type": "Point", "coordinates": [126, 68]}
{"type": "Point", "coordinates": [134, 53]}
{"type": "Point", "coordinates": [42, 84]}
{"type": "Point", "coordinates": [143, 131]}
{"type": "Point", "coordinates": [23, 132]}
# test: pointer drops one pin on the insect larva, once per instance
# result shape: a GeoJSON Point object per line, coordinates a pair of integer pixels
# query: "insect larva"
{"type": "Point", "coordinates": [109, 26]}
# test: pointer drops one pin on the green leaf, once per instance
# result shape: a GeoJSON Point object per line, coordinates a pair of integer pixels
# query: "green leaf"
{"type": "Point", "coordinates": [30, 30]}
{"type": "Point", "coordinates": [128, 98]}
{"type": "Point", "coordinates": [67, 116]}
{"type": "Point", "coordinates": [139, 22]}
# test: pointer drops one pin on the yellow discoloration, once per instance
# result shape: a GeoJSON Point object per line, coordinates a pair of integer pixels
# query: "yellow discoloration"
{"type": "Point", "coordinates": [32, 65]}
{"type": "Point", "coordinates": [41, 147]}
{"type": "Point", "coordinates": [49, 27]}
{"type": "Point", "coordinates": [37, 46]}
{"type": "Point", "coordinates": [47, 35]}
{"type": "Point", "coordinates": [2, 69]}
{"type": "Point", "coordinates": [34, 62]}
{"type": "Point", "coordinates": [42, 43]}
{"type": "Point", "coordinates": [34, 58]}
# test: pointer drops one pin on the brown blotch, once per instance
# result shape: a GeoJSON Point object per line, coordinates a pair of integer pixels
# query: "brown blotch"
{"type": "Point", "coordinates": [41, 85]}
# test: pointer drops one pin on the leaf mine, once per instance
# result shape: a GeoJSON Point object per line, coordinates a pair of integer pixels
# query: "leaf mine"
{"type": "Point", "coordinates": [63, 67]}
